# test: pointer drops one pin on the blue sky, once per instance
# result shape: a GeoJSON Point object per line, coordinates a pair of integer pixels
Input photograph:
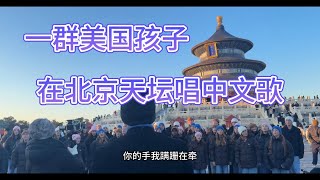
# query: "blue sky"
{"type": "Point", "coordinates": [286, 39]}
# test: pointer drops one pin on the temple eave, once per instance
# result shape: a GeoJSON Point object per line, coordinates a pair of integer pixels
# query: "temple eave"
{"type": "Point", "coordinates": [247, 47]}
{"type": "Point", "coordinates": [257, 66]}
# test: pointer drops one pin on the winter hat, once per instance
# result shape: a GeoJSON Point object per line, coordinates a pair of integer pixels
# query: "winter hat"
{"type": "Point", "coordinates": [289, 118]}
{"type": "Point", "coordinates": [198, 126]}
{"type": "Point", "coordinates": [75, 136]}
{"type": "Point", "coordinates": [315, 122]}
{"type": "Point", "coordinates": [119, 126]}
{"type": "Point", "coordinates": [198, 134]}
{"type": "Point", "coordinates": [241, 129]}
{"type": "Point", "coordinates": [237, 125]}
{"type": "Point", "coordinates": [277, 128]}
{"type": "Point", "coordinates": [219, 128]}
{"type": "Point", "coordinates": [176, 124]}
{"type": "Point", "coordinates": [41, 129]}
{"type": "Point", "coordinates": [134, 113]}
{"type": "Point", "coordinates": [93, 128]}
{"type": "Point", "coordinates": [193, 124]}
{"type": "Point", "coordinates": [189, 120]}
{"type": "Point", "coordinates": [234, 120]}
{"type": "Point", "coordinates": [100, 131]}
{"type": "Point", "coordinates": [17, 128]}
{"type": "Point", "coordinates": [161, 124]}
{"type": "Point", "coordinates": [265, 122]}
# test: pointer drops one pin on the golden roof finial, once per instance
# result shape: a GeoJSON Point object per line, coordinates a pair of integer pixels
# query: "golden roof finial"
{"type": "Point", "coordinates": [219, 20]}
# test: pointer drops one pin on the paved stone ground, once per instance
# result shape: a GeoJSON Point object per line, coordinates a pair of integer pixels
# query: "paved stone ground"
{"type": "Point", "coordinates": [306, 161]}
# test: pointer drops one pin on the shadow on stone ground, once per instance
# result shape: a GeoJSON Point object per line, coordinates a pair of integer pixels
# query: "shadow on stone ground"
{"type": "Point", "coordinates": [306, 161]}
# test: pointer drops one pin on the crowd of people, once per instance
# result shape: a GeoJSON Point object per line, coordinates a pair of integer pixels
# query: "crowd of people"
{"type": "Point", "coordinates": [258, 148]}
{"type": "Point", "coordinates": [81, 144]}
{"type": "Point", "coordinates": [254, 149]}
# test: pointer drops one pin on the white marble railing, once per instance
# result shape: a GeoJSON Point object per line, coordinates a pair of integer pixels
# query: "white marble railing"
{"type": "Point", "coordinates": [199, 112]}
{"type": "Point", "coordinates": [296, 110]}
{"type": "Point", "coordinates": [219, 111]}
{"type": "Point", "coordinates": [308, 109]}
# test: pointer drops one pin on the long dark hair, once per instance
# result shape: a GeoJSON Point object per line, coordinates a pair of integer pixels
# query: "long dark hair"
{"type": "Point", "coordinates": [234, 137]}
{"type": "Point", "coordinates": [102, 140]}
{"type": "Point", "coordinates": [13, 136]}
{"type": "Point", "coordinates": [283, 142]}
{"type": "Point", "coordinates": [221, 139]}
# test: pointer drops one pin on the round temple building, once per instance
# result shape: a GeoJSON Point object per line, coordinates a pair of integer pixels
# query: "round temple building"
{"type": "Point", "coordinates": [224, 55]}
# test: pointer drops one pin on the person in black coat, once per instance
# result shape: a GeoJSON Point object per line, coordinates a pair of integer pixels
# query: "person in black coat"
{"type": "Point", "coordinates": [294, 136]}
{"type": "Point", "coordinates": [109, 135]}
{"type": "Point", "coordinates": [247, 152]}
{"type": "Point", "coordinates": [118, 134]}
{"type": "Point", "coordinates": [10, 144]}
{"type": "Point", "coordinates": [81, 153]}
{"type": "Point", "coordinates": [212, 133]}
{"type": "Point", "coordinates": [47, 155]}
{"type": "Point", "coordinates": [190, 133]}
{"type": "Point", "coordinates": [175, 133]}
{"type": "Point", "coordinates": [167, 130]}
{"type": "Point", "coordinates": [210, 140]}
{"type": "Point", "coordinates": [253, 130]}
{"type": "Point", "coordinates": [234, 168]}
{"type": "Point", "coordinates": [278, 153]}
{"type": "Point", "coordinates": [5, 136]}
{"type": "Point", "coordinates": [181, 134]}
{"type": "Point", "coordinates": [220, 151]}
{"type": "Point", "coordinates": [3, 160]}
{"type": "Point", "coordinates": [18, 156]}
{"type": "Point", "coordinates": [138, 150]}
{"type": "Point", "coordinates": [84, 135]}
{"type": "Point", "coordinates": [262, 138]}
{"type": "Point", "coordinates": [201, 163]}
{"type": "Point", "coordinates": [92, 136]}
{"type": "Point", "coordinates": [230, 130]}
{"type": "Point", "coordinates": [97, 144]}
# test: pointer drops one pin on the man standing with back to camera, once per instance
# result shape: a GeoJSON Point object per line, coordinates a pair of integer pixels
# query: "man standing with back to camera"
{"type": "Point", "coordinates": [140, 138]}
